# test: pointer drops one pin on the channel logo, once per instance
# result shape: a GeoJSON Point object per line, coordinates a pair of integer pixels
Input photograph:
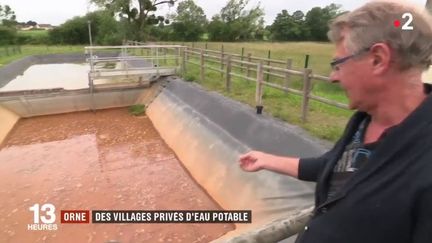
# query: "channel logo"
{"type": "Point", "coordinates": [43, 217]}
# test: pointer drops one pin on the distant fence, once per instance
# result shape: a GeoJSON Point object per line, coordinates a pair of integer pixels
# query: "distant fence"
{"type": "Point", "coordinates": [9, 50]}
{"type": "Point", "coordinates": [254, 69]}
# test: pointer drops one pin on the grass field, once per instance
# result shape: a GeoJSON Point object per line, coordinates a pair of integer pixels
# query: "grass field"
{"type": "Point", "coordinates": [324, 121]}
{"type": "Point", "coordinates": [320, 53]}
{"type": "Point", "coordinates": [9, 54]}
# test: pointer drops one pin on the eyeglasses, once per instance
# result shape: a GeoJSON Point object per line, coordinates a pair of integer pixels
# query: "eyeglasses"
{"type": "Point", "coordinates": [334, 64]}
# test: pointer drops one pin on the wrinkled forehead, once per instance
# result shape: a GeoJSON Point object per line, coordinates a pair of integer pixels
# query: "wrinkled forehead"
{"type": "Point", "coordinates": [340, 50]}
{"type": "Point", "coordinates": [341, 44]}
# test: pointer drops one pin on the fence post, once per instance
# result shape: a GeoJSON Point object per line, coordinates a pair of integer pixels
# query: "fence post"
{"type": "Point", "coordinates": [184, 52]}
{"type": "Point", "coordinates": [222, 59]}
{"type": "Point", "coordinates": [242, 55]}
{"type": "Point", "coordinates": [164, 54]}
{"type": "Point", "coordinates": [306, 91]}
{"type": "Point", "coordinates": [202, 65]}
{"type": "Point", "coordinates": [259, 87]}
{"type": "Point", "coordinates": [228, 73]}
{"type": "Point", "coordinates": [268, 64]}
{"type": "Point", "coordinates": [157, 56]}
{"type": "Point", "coordinates": [177, 55]}
{"type": "Point", "coordinates": [249, 57]}
{"type": "Point", "coordinates": [306, 61]}
{"type": "Point", "coordinates": [206, 45]}
{"type": "Point", "coordinates": [287, 74]}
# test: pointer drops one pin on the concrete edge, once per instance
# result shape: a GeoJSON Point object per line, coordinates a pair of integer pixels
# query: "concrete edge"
{"type": "Point", "coordinates": [7, 122]}
{"type": "Point", "coordinates": [203, 130]}
{"type": "Point", "coordinates": [274, 231]}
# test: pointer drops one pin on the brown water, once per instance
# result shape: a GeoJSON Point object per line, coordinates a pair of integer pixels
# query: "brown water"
{"type": "Point", "coordinates": [104, 160]}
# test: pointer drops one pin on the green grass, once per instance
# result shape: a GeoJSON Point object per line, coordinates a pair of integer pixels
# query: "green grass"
{"type": "Point", "coordinates": [324, 121]}
{"type": "Point", "coordinates": [320, 53]}
{"type": "Point", "coordinates": [137, 110]}
{"type": "Point", "coordinates": [7, 56]}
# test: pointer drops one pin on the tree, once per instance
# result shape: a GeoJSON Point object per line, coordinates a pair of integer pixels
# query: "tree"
{"type": "Point", "coordinates": [260, 30]}
{"type": "Point", "coordinates": [138, 14]}
{"type": "Point", "coordinates": [8, 35]}
{"type": "Point", "coordinates": [317, 21]}
{"type": "Point", "coordinates": [31, 23]}
{"type": "Point", "coordinates": [289, 27]}
{"type": "Point", "coordinates": [162, 32]}
{"type": "Point", "coordinates": [8, 31]}
{"type": "Point", "coordinates": [189, 22]}
{"type": "Point", "coordinates": [216, 29]}
{"type": "Point", "coordinates": [73, 31]}
{"type": "Point", "coordinates": [105, 30]}
{"type": "Point", "coordinates": [7, 16]}
{"type": "Point", "coordinates": [235, 23]}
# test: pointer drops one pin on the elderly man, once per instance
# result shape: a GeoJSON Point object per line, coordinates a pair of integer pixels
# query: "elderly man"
{"type": "Point", "coordinates": [375, 184]}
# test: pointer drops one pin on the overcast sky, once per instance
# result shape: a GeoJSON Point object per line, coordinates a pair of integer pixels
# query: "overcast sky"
{"type": "Point", "coordinates": [56, 12]}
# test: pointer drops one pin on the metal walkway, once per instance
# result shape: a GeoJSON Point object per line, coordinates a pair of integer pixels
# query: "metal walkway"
{"type": "Point", "coordinates": [130, 66]}
{"type": "Point", "coordinates": [143, 61]}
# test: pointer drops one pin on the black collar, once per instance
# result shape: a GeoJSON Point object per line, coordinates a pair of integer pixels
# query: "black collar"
{"type": "Point", "coordinates": [427, 88]}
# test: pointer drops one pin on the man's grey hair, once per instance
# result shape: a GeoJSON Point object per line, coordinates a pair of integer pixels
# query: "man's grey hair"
{"type": "Point", "coordinates": [373, 23]}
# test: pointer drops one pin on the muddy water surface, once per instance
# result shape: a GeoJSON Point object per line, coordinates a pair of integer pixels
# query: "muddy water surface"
{"type": "Point", "coordinates": [95, 161]}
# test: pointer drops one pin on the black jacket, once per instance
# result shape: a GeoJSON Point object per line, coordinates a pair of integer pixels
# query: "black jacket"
{"type": "Point", "coordinates": [389, 200]}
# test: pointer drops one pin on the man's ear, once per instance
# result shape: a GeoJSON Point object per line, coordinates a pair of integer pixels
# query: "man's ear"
{"type": "Point", "coordinates": [381, 54]}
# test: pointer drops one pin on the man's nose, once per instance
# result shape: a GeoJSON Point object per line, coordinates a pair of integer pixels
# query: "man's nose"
{"type": "Point", "coordinates": [334, 78]}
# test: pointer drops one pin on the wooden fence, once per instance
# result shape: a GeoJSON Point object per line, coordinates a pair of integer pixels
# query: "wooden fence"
{"type": "Point", "coordinates": [261, 67]}
{"type": "Point", "coordinates": [254, 69]}
{"type": "Point", "coordinates": [9, 50]}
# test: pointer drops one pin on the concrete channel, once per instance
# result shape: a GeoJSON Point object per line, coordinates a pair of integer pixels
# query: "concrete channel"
{"type": "Point", "coordinates": [206, 131]}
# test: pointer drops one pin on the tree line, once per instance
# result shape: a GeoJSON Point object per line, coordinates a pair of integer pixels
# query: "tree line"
{"type": "Point", "coordinates": [117, 20]}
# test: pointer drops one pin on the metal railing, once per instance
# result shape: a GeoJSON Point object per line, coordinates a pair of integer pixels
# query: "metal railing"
{"type": "Point", "coordinates": [126, 60]}
{"type": "Point", "coordinates": [146, 62]}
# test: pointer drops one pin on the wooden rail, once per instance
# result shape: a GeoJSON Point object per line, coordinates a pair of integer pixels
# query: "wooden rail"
{"type": "Point", "coordinates": [252, 69]}
{"type": "Point", "coordinates": [235, 65]}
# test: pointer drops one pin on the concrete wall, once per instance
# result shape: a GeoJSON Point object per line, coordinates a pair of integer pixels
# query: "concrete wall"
{"type": "Point", "coordinates": [77, 100]}
{"type": "Point", "coordinates": [208, 132]}
{"type": "Point", "coordinates": [7, 122]}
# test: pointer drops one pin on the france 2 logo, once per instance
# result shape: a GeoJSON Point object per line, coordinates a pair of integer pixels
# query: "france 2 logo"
{"type": "Point", "coordinates": [44, 214]}
{"type": "Point", "coordinates": [408, 17]}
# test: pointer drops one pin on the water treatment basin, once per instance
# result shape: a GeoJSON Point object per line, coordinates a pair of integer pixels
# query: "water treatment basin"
{"type": "Point", "coordinates": [104, 160]}
{"type": "Point", "coordinates": [81, 149]}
